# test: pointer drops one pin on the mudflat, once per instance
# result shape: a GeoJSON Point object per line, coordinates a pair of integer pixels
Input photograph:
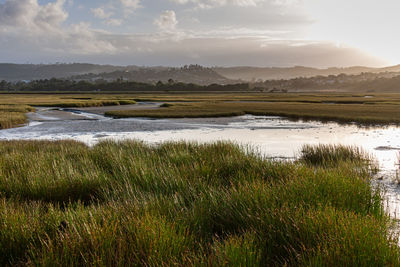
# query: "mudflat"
{"type": "Point", "coordinates": [101, 110]}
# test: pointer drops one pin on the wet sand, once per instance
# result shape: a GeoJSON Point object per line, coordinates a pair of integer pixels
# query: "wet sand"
{"type": "Point", "coordinates": [54, 114]}
{"type": "Point", "coordinates": [44, 114]}
{"type": "Point", "coordinates": [60, 114]}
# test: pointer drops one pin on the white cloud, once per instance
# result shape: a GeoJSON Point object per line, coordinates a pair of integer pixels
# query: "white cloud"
{"type": "Point", "coordinates": [131, 4]}
{"type": "Point", "coordinates": [81, 39]}
{"type": "Point", "coordinates": [38, 27]}
{"type": "Point", "coordinates": [166, 21]}
{"type": "Point", "coordinates": [216, 3]}
{"type": "Point", "coordinates": [113, 22]}
{"type": "Point", "coordinates": [31, 15]}
{"type": "Point", "coordinates": [100, 13]}
{"type": "Point", "coordinates": [285, 2]}
{"type": "Point", "coordinates": [207, 4]}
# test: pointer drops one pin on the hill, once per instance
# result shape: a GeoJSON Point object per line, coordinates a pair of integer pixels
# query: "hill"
{"type": "Point", "coordinates": [90, 72]}
{"type": "Point", "coordinates": [188, 74]}
{"type": "Point", "coordinates": [254, 73]}
{"type": "Point", "coordinates": [18, 72]}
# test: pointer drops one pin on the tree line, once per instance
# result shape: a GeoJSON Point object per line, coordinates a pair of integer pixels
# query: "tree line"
{"type": "Point", "coordinates": [118, 85]}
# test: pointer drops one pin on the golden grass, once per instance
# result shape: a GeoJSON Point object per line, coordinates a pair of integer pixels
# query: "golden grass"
{"type": "Point", "coordinates": [13, 115]}
{"type": "Point", "coordinates": [13, 107]}
{"type": "Point", "coordinates": [361, 108]}
{"type": "Point", "coordinates": [360, 113]}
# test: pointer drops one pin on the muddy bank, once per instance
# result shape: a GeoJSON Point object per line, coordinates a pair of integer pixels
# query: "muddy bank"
{"type": "Point", "coordinates": [43, 114]}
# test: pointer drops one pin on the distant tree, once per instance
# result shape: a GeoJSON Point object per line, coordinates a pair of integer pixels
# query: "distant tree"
{"type": "Point", "coordinates": [3, 85]}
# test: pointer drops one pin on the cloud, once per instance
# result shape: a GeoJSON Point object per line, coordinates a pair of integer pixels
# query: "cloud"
{"type": "Point", "coordinates": [40, 32]}
{"type": "Point", "coordinates": [80, 39]}
{"type": "Point", "coordinates": [285, 2]}
{"type": "Point", "coordinates": [84, 44]}
{"type": "Point", "coordinates": [31, 15]}
{"type": "Point", "coordinates": [272, 15]}
{"type": "Point", "coordinates": [131, 4]}
{"type": "Point", "coordinates": [113, 22]}
{"type": "Point", "coordinates": [218, 3]}
{"type": "Point", "coordinates": [100, 13]}
{"type": "Point", "coordinates": [166, 21]}
{"type": "Point", "coordinates": [250, 51]}
{"type": "Point", "coordinates": [36, 28]}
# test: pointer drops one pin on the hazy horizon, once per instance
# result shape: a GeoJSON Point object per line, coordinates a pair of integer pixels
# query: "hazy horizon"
{"type": "Point", "coordinates": [206, 66]}
{"type": "Point", "coordinates": [257, 33]}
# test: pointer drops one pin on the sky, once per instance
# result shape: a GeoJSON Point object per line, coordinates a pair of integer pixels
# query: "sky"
{"type": "Point", "coordinates": [265, 33]}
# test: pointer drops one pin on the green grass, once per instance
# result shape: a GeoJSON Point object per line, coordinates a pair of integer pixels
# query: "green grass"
{"type": "Point", "coordinates": [185, 204]}
{"type": "Point", "coordinates": [342, 113]}
{"type": "Point", "coordinates": [333, 155]}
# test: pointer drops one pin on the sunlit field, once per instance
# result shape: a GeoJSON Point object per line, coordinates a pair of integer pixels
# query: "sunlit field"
{"type": "Point", "coordinates": [344, 108]}
{"type": "Point", "coordinates": [343, 113]}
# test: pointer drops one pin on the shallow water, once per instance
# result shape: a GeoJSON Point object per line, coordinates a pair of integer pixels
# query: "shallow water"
{"type": "Point", "coordinates": [271, 136]}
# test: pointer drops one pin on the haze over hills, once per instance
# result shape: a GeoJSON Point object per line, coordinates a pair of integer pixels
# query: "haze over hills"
{"type": "Point", "coordinates": [91, 72]}
{"type": "Point", "coordinates": [272, 73]}
{"type": "Point", "coordinates": [75, 77]}
{"type": "Point", "coordinates": [187, 74]}
{"type": "Point", "coordinates": [18, 72]}
{"type": "Point", "coordinates": [195, 74]}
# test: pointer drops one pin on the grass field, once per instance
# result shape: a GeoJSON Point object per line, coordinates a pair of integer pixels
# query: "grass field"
{"type": "Point", "coordinates": [343, 108]}
{"type": "Point", "coordinates": [346, 108]}
{"type": "Point", "coordinates": [342, 113]}
{"type": "Point", "coordinates": [181, 204]}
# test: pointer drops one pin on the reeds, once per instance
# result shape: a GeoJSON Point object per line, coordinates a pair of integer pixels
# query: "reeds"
{"type": "Point", "coordinates": [333, 155]}
{"type": "Point", "coordinates": [13, 115]}
{"type": "Point", "coordinates": [185, 204]}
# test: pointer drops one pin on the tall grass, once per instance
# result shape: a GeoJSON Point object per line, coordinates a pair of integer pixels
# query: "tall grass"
{"type": "Point", "coordinates": [185, 204]}
{"type": "Point", "coordinates": [333, 155]}
{"type": "Point", "coordinates": [13, 115]}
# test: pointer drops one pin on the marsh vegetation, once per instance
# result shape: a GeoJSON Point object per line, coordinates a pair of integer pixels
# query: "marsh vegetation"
{"type": "Point", "coordinates": [13, 107]}
{"type": "Point", "coordinates": [128, 203]}
{"type": "Point", "coordinates": [343, 113]}
{"type": "Point", "coordinates": [345, 108]}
